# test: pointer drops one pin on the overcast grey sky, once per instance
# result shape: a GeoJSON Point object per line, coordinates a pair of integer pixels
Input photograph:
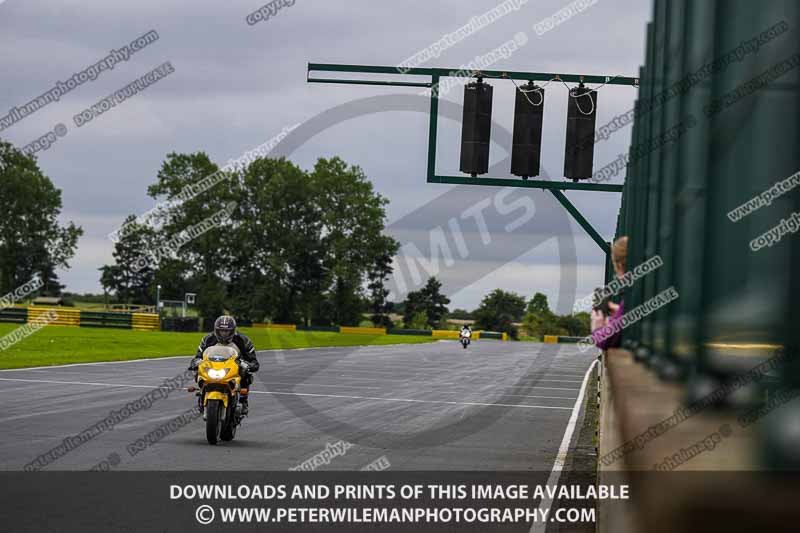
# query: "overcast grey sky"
{"type": "Point", "coordinates": [237, 85]}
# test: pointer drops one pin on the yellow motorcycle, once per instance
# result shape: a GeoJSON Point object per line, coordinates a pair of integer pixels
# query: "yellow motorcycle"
{"type": "Point", "coordinates": [219, 389]}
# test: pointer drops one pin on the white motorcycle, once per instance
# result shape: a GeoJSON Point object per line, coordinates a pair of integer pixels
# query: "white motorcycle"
{"type": "Point", "coordinates": [464, 337]}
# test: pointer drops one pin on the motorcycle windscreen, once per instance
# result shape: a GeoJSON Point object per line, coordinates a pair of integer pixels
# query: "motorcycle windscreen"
{"type": "Point", "coordinates": [219, 354]}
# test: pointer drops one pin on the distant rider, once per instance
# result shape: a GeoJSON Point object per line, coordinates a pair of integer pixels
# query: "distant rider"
{"type": "Point", "coordinates": [225, 333]}
{"type": "Point", "coordinates": [466, 331]}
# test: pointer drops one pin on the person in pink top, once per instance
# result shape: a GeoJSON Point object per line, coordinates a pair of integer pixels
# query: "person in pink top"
{"type": "Point", "coordinates": [599, 320]}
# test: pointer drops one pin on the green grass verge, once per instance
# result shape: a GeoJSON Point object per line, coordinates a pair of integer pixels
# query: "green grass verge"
{"type": "Point", "coordinates": [55, 345]}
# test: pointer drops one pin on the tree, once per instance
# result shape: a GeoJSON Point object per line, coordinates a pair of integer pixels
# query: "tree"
{"type": "Point", "coordinates": [499, 310]}
{"type": "Point", "coordinates": [353, 219]}
{"type": "Point", "coordinates": [428, 299]}
{"type": "Point", "coordinates": [51, 285]}
{"type": "Point", "coordinates": [279, 252]}
{"type": "Point", "coordinates": [32, 242]}
{"type": "Point", "coordinates": [299, 247]}
{"type": "Point", "coordinates": [539, 320]}
{"type": "Point", "coordinates": [436, 302]}
{"type": "Point", "coordinates": [131, 275]}
{"type": "Point", "coordinates": [538, 304]}
{"type": "Point", "coordinates": [378, 274]}
{"type": "Point", "coordinates": [461, 314]}
{"type": "Point", "coordinates": [208, 255]}
{"type": "Point", "coordinates": [418, 321]}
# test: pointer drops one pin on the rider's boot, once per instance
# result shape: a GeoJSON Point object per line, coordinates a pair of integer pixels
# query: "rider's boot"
{"type": "Point", "coordinates": [200, 405]}
{"type": "Point", "coordinates": [244, 403]}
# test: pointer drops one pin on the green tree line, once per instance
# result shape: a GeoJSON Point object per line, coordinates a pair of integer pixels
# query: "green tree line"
{"type": "Point", "coordinates": [305, 247]}
{"type": "Point", "coordinates": [302, 247]}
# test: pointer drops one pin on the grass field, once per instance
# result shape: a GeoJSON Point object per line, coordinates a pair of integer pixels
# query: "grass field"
{"type": "Point", "coordinates": [54, 345]}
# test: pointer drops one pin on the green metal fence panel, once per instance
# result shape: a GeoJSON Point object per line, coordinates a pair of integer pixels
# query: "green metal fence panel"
{"type": "Point", "coordinates": [638, 240]}
{"type": "Point", "coordinates": [669, 158]}
{"type": "Point", "coordinates": [691, 186]}
{"type": "Point", "coordinates": [754, 143]}
{"type": "Point", "coordinates": [735, 306]}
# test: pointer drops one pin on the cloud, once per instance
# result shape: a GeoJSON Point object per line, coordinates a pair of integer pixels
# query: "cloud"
{"type": "Point", "coordinates": [236, 85]}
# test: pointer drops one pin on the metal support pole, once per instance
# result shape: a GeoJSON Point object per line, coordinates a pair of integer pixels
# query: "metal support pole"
{"type": "Point", "coordinates": [579, 218]}
{"type": "Point", "coordinates": [433, 127]}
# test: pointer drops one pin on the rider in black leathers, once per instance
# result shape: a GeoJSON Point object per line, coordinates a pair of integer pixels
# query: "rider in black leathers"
{"type": "Point", "coordinates": [225, 333]}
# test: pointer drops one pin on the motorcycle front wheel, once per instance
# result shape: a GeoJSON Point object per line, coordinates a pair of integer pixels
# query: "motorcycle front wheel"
{"type": "Point", "coordinates": [214, 419]}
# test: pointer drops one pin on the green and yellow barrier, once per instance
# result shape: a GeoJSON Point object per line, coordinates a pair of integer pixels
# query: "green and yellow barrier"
{"type": "Point", "coordinates": [362, 331]}
{"type": "Point", "coordinates": [145, 322]}
{"type": "Point", "coordinates": [66, 316]}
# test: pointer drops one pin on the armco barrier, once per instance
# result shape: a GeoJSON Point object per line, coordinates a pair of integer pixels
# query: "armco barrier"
{"type": "Point", "coordinates": [561, 339]}
{"type": "Point", "coordinates": [145, 322]}
{"type": "Point", "coordinates": [96, 319]}
{"type": "Point", "coordinates": [326, 329]}
{"type": "Point", "coordinates": [66, 316]}
{"type": "Point", "coordinates": [445, 333]}
{"type": "Point", "coordinates": [69, 316]}
{"type": "Point", "coordinates": [365, 331]}
{"type": "Point", "coordinates": [17, 315]}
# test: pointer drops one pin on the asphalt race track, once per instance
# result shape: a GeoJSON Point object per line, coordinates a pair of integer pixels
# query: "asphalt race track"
{"type": "Point", "coordinates": [496, 406]}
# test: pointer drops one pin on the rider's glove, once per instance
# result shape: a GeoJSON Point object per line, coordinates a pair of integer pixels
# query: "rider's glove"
{"type": "Point", "coordinates": [245, 366]}
{"type": "Point", "coordinates": [194, 364]}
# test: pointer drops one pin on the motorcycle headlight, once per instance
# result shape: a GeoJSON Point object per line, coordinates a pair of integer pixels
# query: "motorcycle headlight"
{"type": "Point", "coordinates": [217, 373]}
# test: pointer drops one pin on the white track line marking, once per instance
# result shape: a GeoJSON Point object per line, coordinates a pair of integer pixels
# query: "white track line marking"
{"type": "Point", "coordinates": [89, 383]}
{"type": "Point", "coordinates": [560, 380]}
{"type": "Point", "coordinates": [570, 398]}
{"type": "Point", "coordinates": [56, 367]}
{"type": "Point", "coordinates": [405, 400]}
{"type": "Point", "coordinates": [303, 384]}
{"type": "Point", "coordinates": [356, 347]}
{"type": "Point", "coordinates": [561, 457]}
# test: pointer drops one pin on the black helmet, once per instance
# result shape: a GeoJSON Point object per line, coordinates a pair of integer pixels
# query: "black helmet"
{"type": "Point", "coordinates": [224, 329]}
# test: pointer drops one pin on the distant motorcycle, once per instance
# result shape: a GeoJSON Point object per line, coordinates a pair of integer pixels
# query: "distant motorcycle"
{"type": "Point", "coordinates": [464, 337]}
{"type": "Point", "coordinates": [218, 390]}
